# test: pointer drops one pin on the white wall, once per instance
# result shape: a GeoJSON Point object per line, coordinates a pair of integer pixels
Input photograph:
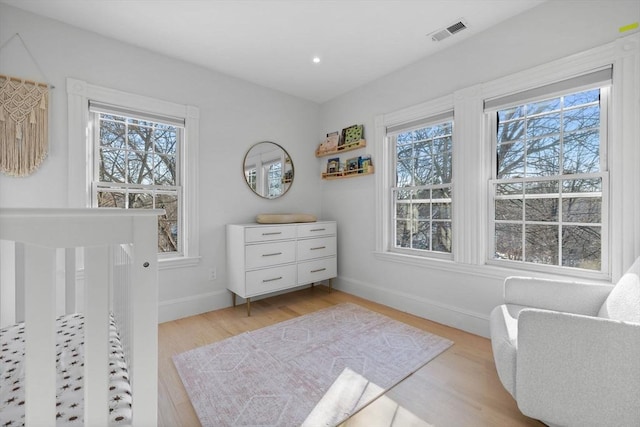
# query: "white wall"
{"type": "Point", "coordinates": [234, 114]}
{"type": "Point", "coordinates": [464, 299]}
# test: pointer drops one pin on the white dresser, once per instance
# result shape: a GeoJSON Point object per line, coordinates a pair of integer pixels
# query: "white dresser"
{"type": "Point", "coordinates": [264, 258]}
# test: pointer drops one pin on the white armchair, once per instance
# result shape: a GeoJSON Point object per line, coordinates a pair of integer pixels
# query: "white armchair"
{"type": "Point", "coordinates": [569, 352]}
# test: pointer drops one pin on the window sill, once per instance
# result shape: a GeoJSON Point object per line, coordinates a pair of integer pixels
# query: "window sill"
{"type": "Point", "coordinates": [489, 270]}
{"type": "Point", "coordinates": [177, 262]}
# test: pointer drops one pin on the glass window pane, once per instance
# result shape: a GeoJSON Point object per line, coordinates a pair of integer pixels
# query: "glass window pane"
{"type": "Point", "coordinates": [111, 199]}
{"type": "Point", "coordinates": [112, 166]}
{"type": "Point", "coordinates": [582, 185]}
{"type": "Point", "coordinates": [140, 201]}
{"type": "Point", "coordinates": [510, 131]}
{"type": "Point", "coordinates": [441, 210]}
{"type": "Point", "coordinates": [543, 157]}
{"type": "Point", "coordinates": [422, 211]}
{"type": "Point", "coordinates": [546, 124]}
{"type": "Point", "coordinates": [140, 138]}
{"type": "Point", "coordinates": [581, 152]}
{"type": "Point", "coordinates": [541, 244]}
{"type": "Point", "coordinates": [140, 168]}
{"type": "Point", "coordinates": [403, 173]}
{"type": "Point", "coordinates": [404, 151]}
{"type": "Point", "coordinates": [165, 139]}
{"type": "Point", "coordinates": [422, 171]}
{"type": "Point", "coordinates": [420, 238]}
{"type": "Point", "coordinates": [165, 170]}
{"type": "Point", "coordinates": [581, 247]}
{"type": "Point", "coordinates": [546, 106]}
{"type": "Point", "coordinates": [508, 242]}
{"type": "Point", "coordinates": [582, 118]}
{"type": "Point", "coordinates": [542, 187]}
{"type": "Point", "coordinates": [112, 134]}
{"type": "Point", "coordinates": [508, 209]}
{"type": "Point", "coordinates": [403, 234]}
{"type": "Point", "coordinates": [441, 236]}
{"type": "Point", "coordinates": [167, 223]}
{"type": "Point", "coordinates": [541, 209]}
{"type": "Point", "coordinates": [581, 98]}
{"type": "Point", "coordinates": [582, 209]}
{"type": "Point", "coordinates": [510, 160]}
{"type": "Point", "coordinates": [511, 113]}
{"type": "Point", "coordinates": [510, 188]}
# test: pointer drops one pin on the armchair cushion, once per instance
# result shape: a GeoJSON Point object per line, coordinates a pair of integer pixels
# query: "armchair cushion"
{"type": "Point", "coordinates": [558, 295]}
{"type": "Point", "coordinates": [623, 303]}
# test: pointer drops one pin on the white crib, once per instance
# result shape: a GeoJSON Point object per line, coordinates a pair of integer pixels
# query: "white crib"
{"type": "Point", "coordinates": [101, 262]}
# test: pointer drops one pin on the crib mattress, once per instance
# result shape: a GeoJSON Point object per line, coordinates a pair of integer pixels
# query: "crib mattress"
{"type": "Point", "coordinates": [70, 373]}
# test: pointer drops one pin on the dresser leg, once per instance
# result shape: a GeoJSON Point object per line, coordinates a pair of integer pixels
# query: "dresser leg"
{"type": "Point", "coordinates": [330, 285]}
{"type": "Point", "coordinates": [248, 307]}
{"type": "Point", "coordinates": [234, 298]}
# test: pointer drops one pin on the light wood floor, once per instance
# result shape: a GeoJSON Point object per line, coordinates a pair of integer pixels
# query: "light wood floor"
{"type": "Point", "coordinates": [458, 388]}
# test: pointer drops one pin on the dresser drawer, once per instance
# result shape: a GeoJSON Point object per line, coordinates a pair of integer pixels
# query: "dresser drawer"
{"type": "Point", "coordinates": [316, 229]}
{"type": "Point", "coordinates": [317, 270]}
{"type": "Point", "coordinates": [265, 234]}
{"type": "Point", "coordinates": [269, 254]}
{"type": "Point", "coordinates": [316, 248]}
{"type": "Point", "coordinates": [270, 279]}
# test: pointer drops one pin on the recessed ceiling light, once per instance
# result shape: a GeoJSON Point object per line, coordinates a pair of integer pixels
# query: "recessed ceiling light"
{"type": "Point", "coordinates": [316, 59]}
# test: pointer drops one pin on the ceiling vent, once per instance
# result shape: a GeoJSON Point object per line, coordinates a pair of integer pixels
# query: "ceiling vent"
{"type": "Point", "coordinates": [449, 31]}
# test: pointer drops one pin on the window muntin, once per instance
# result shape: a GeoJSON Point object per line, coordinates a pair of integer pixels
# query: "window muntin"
{"type": "Point", "coordinates": [549, 183]}
{"type": "Point", "coordinates": [137, 167]}
{"type": "Point", "coordinates": [421, 194]}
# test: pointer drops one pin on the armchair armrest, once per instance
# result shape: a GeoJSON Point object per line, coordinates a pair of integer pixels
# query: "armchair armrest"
{"type": "Point", "coordinates": [578, 370]}
{"type": "Point", "coordinates": [558, 295]}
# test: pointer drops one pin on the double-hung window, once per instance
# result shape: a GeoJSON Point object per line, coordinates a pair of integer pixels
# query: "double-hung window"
{"type": "Point", "coordinates": [421, 187]}
{"type": "Point", "coordinates": [549, 186]}
{"type": "Point", "coordinates": [136, 165]}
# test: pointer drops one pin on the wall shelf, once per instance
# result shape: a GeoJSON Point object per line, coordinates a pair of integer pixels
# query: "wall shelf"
{"type": "Point", "coordinates": [342, 148]}
{"type": "Point", "coordinates": [348, 174]}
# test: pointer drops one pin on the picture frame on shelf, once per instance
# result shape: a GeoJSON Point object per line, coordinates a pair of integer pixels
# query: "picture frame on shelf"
{"type": "Point", "coordinates": [352, 134]}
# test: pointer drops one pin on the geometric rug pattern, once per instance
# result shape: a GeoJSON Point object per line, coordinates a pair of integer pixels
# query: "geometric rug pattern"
{"type": "Point", "coordinates": [276, 375]}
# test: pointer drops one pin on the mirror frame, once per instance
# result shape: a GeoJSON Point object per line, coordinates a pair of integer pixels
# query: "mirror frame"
{"type": "Point", "coordinates": [286, 156]}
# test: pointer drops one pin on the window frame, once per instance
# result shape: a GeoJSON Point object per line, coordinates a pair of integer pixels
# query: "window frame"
{"type": "Point", "coordinates": [80, 177]}
{"type": "Point", "coordinates": [425, 122]}
{"type": "Point", "coordinates": [603, 174]}
{"type": "Point", "coordinates": [129, 188]}
{"type": "Point", "coordinates": [472, 170]}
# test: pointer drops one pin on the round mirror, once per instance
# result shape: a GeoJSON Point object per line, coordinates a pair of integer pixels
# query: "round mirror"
{"type": "Point", "coordinates": [268, 169]}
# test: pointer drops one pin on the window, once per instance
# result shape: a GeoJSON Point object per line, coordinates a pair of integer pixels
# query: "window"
{"type": "Point", "coordinates": [137, 160]}
{"type": "Point", "coordinates": [550, 186]}
{"type": "Point", "coordinates": [421, 188]}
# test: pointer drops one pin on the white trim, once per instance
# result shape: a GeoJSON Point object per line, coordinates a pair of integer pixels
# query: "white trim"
{"type": "Point", "coordinates": [467, 320]}
{"type": "Point", "coordinates": [472, 156]}
{"type": "Point", "coordinates": [192, 305]}
{"type": "Point", "coordinates": [79, 93]}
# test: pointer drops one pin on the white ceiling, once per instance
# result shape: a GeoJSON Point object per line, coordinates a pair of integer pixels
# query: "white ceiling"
{"type": "Point", "coordinates": [272, 42]}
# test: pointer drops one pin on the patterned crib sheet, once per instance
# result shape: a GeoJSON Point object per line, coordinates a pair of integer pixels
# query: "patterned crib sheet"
{"type": "Point", "coordinates": [70, 373]}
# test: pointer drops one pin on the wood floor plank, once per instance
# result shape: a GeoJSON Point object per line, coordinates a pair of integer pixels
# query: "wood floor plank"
{"type": "Point", "coordinates": [460, 387]}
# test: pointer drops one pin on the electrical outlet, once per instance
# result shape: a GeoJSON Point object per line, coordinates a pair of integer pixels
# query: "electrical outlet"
{"type": "Point", "coordinates": [212, 274]}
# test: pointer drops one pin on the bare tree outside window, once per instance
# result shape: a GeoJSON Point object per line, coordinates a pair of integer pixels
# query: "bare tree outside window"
{"type": "Point", "coordinates": [548, 188]}
{"type": "Point", "coordinates": [137, 169]}
{"type": "Point", "coordinates": [422, 193]}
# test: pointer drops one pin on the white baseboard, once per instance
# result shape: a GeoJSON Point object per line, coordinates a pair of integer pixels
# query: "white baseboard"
{"type": "Point", "coordinates": [192, 305]}
{"type": "Point", "coordinates": [466, 320]}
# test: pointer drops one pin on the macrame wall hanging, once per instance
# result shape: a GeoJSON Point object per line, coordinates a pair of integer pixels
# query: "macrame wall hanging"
{"type": "Point", "coordinates": [24, 123]}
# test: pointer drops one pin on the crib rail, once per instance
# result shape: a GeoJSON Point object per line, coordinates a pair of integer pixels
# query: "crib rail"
{"type": "Point", "coordinates": [119, 251]}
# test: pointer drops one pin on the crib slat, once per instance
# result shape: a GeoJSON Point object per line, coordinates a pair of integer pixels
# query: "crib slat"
{"type": "Point", "coordinates": [70, 280]}
{"type": "Point", "coordinates": [144, 295]}
{"type": "Point", "coordinates": [40, 355]}
{"type": "Point", "coordinates": [19, 284]}
{"type": "Point", "coordinates": [96, 336]}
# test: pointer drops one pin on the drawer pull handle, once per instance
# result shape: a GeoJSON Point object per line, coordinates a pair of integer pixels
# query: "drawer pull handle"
{"type": "Point", "coordinates": [273, 254]}
{"type": "Point", "coordinates": [318, 270]}
{"type": "Point", "coordinates": [271, 280]}
{"type": "Point", "coordinates": [272, 233]}
{"type": "Point", "coordinates": [319, 247]}
{"type": "Point", "coordinates": [318, 229]}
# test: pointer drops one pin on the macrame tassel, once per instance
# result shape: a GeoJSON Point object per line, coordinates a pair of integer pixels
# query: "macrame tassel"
{"type": "Point", "coordinates": [22, 147]}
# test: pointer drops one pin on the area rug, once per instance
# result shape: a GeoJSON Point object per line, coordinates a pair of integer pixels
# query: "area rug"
{"type": "Point", "coordinates": [280, 374]}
